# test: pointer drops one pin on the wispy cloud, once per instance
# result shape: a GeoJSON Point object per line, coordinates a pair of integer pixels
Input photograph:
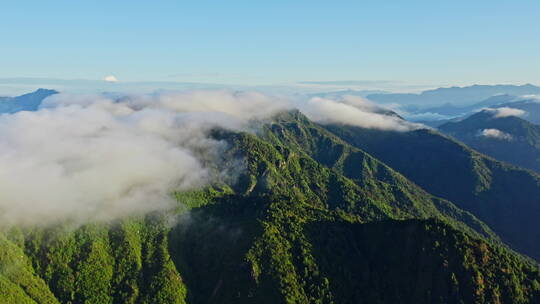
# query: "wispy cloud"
{"type": "Point", "coordinates": [495, 133]}
{"type": "Point", "coordinates": [505, 112]}
{"type": "Point", "coordinates": [356, 111]}
{"type": "Point", "coordinates": [96, 157]}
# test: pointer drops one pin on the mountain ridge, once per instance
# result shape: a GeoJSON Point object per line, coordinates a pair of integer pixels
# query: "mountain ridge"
{"type": "Point", "coordinates": [308, 215]}
{"type": "Point", "coordinates": [510, 139]}
{"type": "Point", "coordinates": [451, 170]}
{"type": "Point", "coordinates": [455, 95]}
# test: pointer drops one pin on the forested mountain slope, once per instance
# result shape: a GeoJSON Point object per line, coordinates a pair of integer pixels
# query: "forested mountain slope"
{"type": "Point", "coordinates": [505, 197]}
{"type": "Point", "coordinates": [310, 219]}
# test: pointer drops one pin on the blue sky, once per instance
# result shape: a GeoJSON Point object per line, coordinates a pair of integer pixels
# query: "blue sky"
{"type": "Point", "coordinates": [273, 42]}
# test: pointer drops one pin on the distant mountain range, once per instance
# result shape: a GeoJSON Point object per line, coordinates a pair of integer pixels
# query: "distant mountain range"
{"type": "Point", "coordinates": [26, 102]}
{"type": "Point", "coordinates": [511, 139]}
{"type": "Point", "coordinates": [453, 110]}
{"type": "Point", "coordinates": [341, 93]}
{"type": "Point", "coordinates": [531, 107]}
{"type": "Point", "coordinates": [457, 96]}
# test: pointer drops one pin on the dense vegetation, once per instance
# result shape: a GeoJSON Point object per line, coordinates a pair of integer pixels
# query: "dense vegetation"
{"type": "Point", "coordinates": [311, 219]}
{"type": "Point", "coordinates": [506, 198]}
{"type": "Point", "coordinates": [124, 262]}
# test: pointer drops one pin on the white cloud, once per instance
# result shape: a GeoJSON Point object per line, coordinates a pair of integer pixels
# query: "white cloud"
{"type": "Point", "coordinates": [356, 112]}
{"type": "Point", "coordinates": [110, 78]}
{"type": "Point", "coordinates": [87, 163]}
{"type": "Point", "coordinates": [84, 157]}
{"type": "Point", "coordinates": [426, 116]}
{"type": "Point", "coordinates": [495, 133]}
{"type": "Point", "coordinates": [91, 157]}
{"type": "Point", "coordinates": [505, 112]}
{"type": "Point", "coordinates": [532, 97]}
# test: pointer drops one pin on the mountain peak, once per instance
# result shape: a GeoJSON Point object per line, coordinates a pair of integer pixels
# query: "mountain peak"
{"type": "Point", "coordinates": [508, 138]}
{"type": "Point", "coordinates": [25, 102]}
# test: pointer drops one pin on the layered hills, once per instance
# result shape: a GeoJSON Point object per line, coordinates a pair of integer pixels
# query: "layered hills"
{"type": "Point", "coordinates": [510, 138]}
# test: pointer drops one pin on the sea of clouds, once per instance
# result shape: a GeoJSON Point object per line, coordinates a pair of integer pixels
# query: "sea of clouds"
{"type": "Point", "coordinates": [96, 157]}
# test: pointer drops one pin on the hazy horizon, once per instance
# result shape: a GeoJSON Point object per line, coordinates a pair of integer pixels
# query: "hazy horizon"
{"type": "Point", "coordinates": [12, 86]}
